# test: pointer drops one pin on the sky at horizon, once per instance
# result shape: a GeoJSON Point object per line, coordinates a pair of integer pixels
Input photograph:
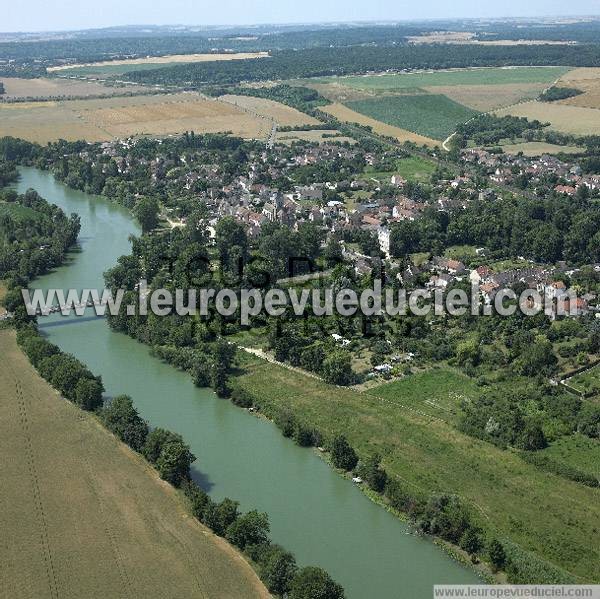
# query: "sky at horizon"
{"type": "Point", "coordinates": [62, 15]}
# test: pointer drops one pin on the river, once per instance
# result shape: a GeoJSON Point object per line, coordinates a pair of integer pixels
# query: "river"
{"type": "Point", "coordinates": [324, 519]}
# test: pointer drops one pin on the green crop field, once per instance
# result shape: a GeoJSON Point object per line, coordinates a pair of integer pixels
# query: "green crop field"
{"type": "Point", "coordinates": [483, 76]}
{"type": "Point", "coordinates": [432, 115]}
{"type": "Point", "coordinates": [541, 512]}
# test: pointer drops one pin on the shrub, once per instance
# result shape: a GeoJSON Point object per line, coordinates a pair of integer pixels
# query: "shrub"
{"type": "Point", "coordinates": [174, 462]}
{"type": "Point", "coordinates": [156, 440]}
{"type": "Point", "coordinates": [88, 393]}
{"type": "Point", "coordinates": [250, 529]}
{"type": "Point", "coordinates": [312, 583]}
{"type": "Point", "coordinates": [342, 455]}
{"type": "Point", "coordinates": [121, 418]}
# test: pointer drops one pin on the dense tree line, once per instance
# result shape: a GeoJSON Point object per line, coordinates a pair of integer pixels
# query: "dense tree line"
{"type": "Point", "coordinates": [302, 98]}
{"type": "Point", "coordinates": [487, 129]}
{"type": "Point", "coordinates": [63, 371]}
{"type": "Point", "coordinates": [545, 230]}
{"type": "Point", "coordinates": [321, 62]}
{"type": "Point", "coordinates": [34, 235]}
{"type": "Point", "coordinates": [554, 94]}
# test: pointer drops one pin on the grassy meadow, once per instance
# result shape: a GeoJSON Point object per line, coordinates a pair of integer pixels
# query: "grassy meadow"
{"type": "Point", "coordinates": [539, 512]}
{"type": "Point", "coordinates": [587, 381]}
{"type": "Point", "coordinates": [436, 392]}
{"type": "Point", "coordinates": [577, 451]}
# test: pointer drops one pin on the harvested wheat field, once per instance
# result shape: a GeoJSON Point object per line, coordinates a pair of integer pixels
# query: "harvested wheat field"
{"type": "Point", "coordinates": [84, 516]}
{"type": "Point", "coordinates": [489, 97]}
{"type": "Point", "coordinates": [270, 109]}
{"type": "Point", "coordinates": [161, 60]}
{"type": "Point", "coordinates": [17, 88]}
{"type": "Point", "coordinates": [344, 113]}
{"type": "Point", "coordinates": [588, 81]}
{"type": "Point", "coordinates": [537, 148]}
{"type": "Point", "coordinates": [108, 118]}
{"type": "Point", "coordinates": [577, 120]}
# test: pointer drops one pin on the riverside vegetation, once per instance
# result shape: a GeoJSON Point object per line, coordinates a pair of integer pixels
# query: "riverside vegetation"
{"type": "Point", "coordinates": [164, 450]}
{"type": "Point", "coordinates": [494, 353]}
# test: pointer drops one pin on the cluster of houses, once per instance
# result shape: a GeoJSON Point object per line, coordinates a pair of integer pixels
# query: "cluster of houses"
{"type": "Point", "coordinates": [543, 280]}
{"type": "Point", "coordinates": [504, 168]}
{"type": "Point", "coordinates": [253, 203]}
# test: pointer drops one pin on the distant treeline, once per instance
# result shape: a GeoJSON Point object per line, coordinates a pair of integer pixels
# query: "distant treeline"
{"type": "Point", "coordinates": [584, 32]}
{"type": "Point", "coordinates": [486, 129]}
{"type": "Point", "coordinates": [321, 62]}
{"type": "Point", "coordinates": [302, 98]}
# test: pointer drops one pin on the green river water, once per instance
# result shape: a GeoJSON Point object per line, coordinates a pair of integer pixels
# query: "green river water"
{"type": "Point", "coordinates": [324, 519]}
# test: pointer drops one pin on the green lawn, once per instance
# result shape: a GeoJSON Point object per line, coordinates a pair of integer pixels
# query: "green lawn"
{"type": "Point", "coordinates": [432, 115]}
{"type": "Point", "coordinates": [553, 517]}
{"type": "Point", "coordinates": [461, 252]}
{"type": "Point", "coordinates": [485, 76]}
{"type": "Point", "coordinates": [436, 392]}
{"type": "Point", "coordinates": [415, 167]}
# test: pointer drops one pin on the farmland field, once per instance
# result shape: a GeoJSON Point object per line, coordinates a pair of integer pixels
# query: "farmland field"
{"type": "Point", "coordinates": [577, 120]}
{"type": "Point", "coordinates": [263, 107]}
{"type": "Point", "coordinates": [108, 118]}
{"type": "Point", "coordinates": [586, 80]}
{"type": "Point", "coordinates": [433, 116]}
{"type": "Point", "coordinates": [537, 148]}
{"type": "Point", "coordinates": [118, 67]}
{"type": "Point", "coordinates": [84, 516]}
{"type": "Point", "coordinates": [488, 97]}
{"type": "Point", "coordinates": [480, 76]}
{"type": "Point", "coordinates": [43, 87]}
{"type": "Point", "coordinates": [344, 113]}
{"type": "Point", "coordinates": [540, 512]}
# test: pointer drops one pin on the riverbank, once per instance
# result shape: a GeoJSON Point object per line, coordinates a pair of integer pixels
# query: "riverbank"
{"type": "Point", "coordinates": [322, 518]}
{"type": "Point", "coordinates": [85, 516]}
{"type": "Point", "coordinates": [428, 456]}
